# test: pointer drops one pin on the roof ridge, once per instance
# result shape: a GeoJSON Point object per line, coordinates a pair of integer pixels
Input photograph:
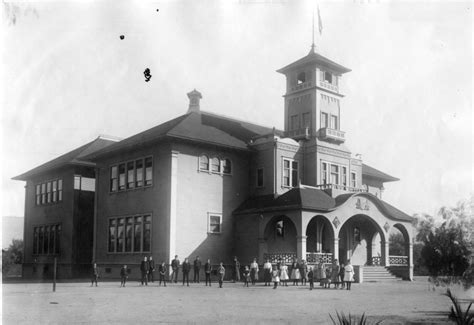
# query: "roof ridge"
{"type": "Point", "coordinates": [235, 119]}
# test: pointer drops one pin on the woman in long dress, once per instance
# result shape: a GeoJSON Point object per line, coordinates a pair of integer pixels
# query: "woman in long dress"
{"type": "Point", "coordinates": [348, 274]}
{"type": "Point", "coordinates": [254, 271]}
{"type": "Point", "coordinates": [295, 272]}
{"type": "Point", "coordinates": [284, 275]}
{"type": "Point", "coordinates": [267, 272]}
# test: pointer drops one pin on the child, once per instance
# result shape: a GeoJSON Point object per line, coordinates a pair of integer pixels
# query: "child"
{"type": "Point", "coordinates": [327, 284]}
{"type": "Point", "coordinates": [123, 275]}
{"type": "Point", "coordinates": [95, 274]}
{"type": "Point", "coordinates": [162, 270]}
{"type": "Point", "coordinates": [311, 278]}
{"type": "Point", "coordinates": [341, 275]}
{"type": "Point", "coordinates": [246, 274]}
{"type": "Point", "coordinates": [275, 277]}
{"type": "Point", "coordinates": [284, 274]}
{"type": "Point", "coordinates": [322, 274]}
{"type": "Point", "coordinates": [221, 274]}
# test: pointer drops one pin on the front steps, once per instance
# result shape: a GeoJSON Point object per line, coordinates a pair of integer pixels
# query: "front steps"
{"type": "Point", "coordinates": [378, 274]}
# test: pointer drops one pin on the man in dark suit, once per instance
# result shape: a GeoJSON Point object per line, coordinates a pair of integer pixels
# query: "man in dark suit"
{"type": "Point", "coordinates": [151, 264]}
{"type": "Point", "coordinates": [186, 269]}
{"type": "Point", "coordinates": [207, 271]}
{"type": "Point", "coordinates": [174, 268]}
{"type": "Point", "coordinates": [145, 268]}
{"type": "Point", "coordinates": [197, 269]}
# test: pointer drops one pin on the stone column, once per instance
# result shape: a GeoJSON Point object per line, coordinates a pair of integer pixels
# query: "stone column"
{"type": "Point", "coordinates": [301, 247]}
{"type": "Point", "coordinates": [384, 248]}
{"type": "Point", "coordinates": [335, 251]}
{"type": "Point", "coordinates": [410, 261]}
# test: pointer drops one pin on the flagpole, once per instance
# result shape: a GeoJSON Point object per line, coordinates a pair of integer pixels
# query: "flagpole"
{"type": "Point", "coordinates": [312, 44]}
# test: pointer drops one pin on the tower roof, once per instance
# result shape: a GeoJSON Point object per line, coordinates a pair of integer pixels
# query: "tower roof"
{"type": "Point", "coordinates": [316, 59]}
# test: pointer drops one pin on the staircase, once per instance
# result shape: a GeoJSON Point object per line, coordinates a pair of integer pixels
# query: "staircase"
{"type": "Point", "coordinates": [378, 274]}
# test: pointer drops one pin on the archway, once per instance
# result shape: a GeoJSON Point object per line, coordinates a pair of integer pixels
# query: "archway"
{"type": "Point", "coordinates": [280, 238]}
{"type": "Point", "coordinates": [319, 240]}
{"type": "Point", "coordinates": [399, 247]}
{"type": "Point", "coordinates": [358, 238]}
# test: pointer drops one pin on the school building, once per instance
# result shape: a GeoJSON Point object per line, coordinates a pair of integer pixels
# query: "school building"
{"type": "Point", "coordinates": [208, 185]}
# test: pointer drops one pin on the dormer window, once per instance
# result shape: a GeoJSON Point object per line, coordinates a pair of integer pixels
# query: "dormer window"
{"type": "Point", "coordinates": [301, 78]}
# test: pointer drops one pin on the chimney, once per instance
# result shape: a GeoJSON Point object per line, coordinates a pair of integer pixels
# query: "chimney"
{"type": "Point", "coordinates": [194, 98]}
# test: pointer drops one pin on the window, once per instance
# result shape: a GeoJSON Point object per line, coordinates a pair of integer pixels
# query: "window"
{"type": "Point", "coordinates": [324, 120]}
{"type": "Point", "coordinates": [77, 182]}
{"type": "Point", "coordinates": [226, 166]}
{"type": "Point", "coordinates": [215, 222]}
{"type": "Point", "coordinates": [306, 120]}
{"type": "Point", "coordinates": [46, 239]}
{"type": "Point", "coordinates": [294, 123]}
{"type": "Point", "coordinates": [130, 175]}
{"type": "Point", "coordinates": [128, 234]}
{"type": "Point", "coordinates": [137, 234]}
{"type": "Point", "coordinates": [353, 180]}
{"type": "Point", "coordinates": [260, 177]}
{"type": "Point", "coordinates": [328, 77]}
{"type": "Point", "coordinates": [112, 234]}
{"type": "Point", "coordinates": [344, 176]}
{"type": "Point", "coordinates": [215, 165]}
{"type": "Point", "coordinates": [47, 192]}
{"type": "Point", "coordinates": [121, 170]}
{"type": "Point", "coordinates": [147, 233]}
{"type": "Point", "coordinates": [60, 189]}
{"type": "Point", "coordinates": [334, 174]}
{"type": "Point", "coordinates": [324, 173]}
{"type": "Point", "coordinates": [139, 172]}
{"type": "Point", "coordinates": [120, 234]}
{"type": "Point", "coordinates": [301, 78]}
{"type": "Point", "coordinates": [290, 173]}
{"type": "Point", "coordinates": [204, 163]}
{"type": "Point", "coordinates": [334, 122]}
{"type": "Point", "coordinates": [113, 179]}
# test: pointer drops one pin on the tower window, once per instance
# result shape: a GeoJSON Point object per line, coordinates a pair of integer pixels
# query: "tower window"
{"type": "Point", "coordinates": [328, 77]}
{"type": "Point", "coordinates": [334, 122]}
{"type": "Point", "coordinates": [301, 78]}
{"type": "Point", "coordinates": [324, 120]}
{"type": "Point", "coordinates": [306, 120]}
{"type": "Point", "coordinates": [294, 122]}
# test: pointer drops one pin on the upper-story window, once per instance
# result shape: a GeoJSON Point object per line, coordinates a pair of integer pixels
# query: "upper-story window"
{"type": "Point", "coordinates": [215, 165]}
{"type": "Point", "coordinates": [353, 180]}
{"type": "Point", "coordinates": [49, 192]}
{"type": "Point", "coordinates": [294, 122]}
{"type": "Point", "coordinates": [290, 172]}
{"type": "Point", "coordinates": [324, 173]}
{"type": "Point", "coordinates": [328, 77]}
{"type": "Point", "coordinates": [306, 120]}
{"type": "Point", "coordinates": [214, 223]}
{"type": "Point", "coordinates": [344, 176]}
{"type": "Point", "coordinates": [334, 174]}
{"type": "Point", "coordinates": [132, 174]}
{"type": "Point", "coordinates": [301, 78]}
{"type": "Point", "coordinates": [334, 122]}
{"type": "Point", "coordinates": [84, 183]}
{"type": "Point", "coordinates": [324, 120]}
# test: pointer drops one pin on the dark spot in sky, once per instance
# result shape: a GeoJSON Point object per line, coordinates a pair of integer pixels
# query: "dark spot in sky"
{"type": "Point", "coordinates": [147, 74]}
{"type": "Point", "coordinates": [122, 37]}
{"type": "Point", "coordinates": [157, 9]}
{"type": "Point", "coordinates": [53, 302]}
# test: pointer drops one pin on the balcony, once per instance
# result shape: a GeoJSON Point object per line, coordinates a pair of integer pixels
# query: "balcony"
{"type": "Point", "coordinates": [301, 86]}
{"type": "Point", "coordinates": [298, 134]}
{"type": "Point", "coordinates": [335, 189]}
{"type": "Point", "coordinates": [329, 86]}
{"type": "Point", "coordinates": [332, 135]}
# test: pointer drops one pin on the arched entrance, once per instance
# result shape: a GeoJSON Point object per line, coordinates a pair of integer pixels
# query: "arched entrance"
{"type": "Point", "coordinates": [319, 240]}
{"type": "Point", "coordinates": [358, 238]}
{"type": "Point", "coordinates": [280, 239]}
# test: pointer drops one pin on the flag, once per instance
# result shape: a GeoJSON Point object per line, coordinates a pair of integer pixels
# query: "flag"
{"type": "Point", "coordinates": [320, 22]}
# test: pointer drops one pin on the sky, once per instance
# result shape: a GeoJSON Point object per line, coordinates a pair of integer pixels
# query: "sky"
{"type": "Point", "coordinates": [67, 77]}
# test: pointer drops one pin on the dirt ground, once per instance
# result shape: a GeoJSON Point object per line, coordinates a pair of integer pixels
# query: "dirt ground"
{"type": "Point", "coordinates": [394, 303]}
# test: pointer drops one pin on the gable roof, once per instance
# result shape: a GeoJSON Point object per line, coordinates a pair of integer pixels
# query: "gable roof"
{"type": "Point", "coordinates": [306, 198]}
{"type": "Point", "coordinates": [74, 157]}
{"type": "Point", "coordinates": [314, 58]}
{"type": "Point", "coordinates": [199, 126]}
{"type": "Point", "coordinates": [371, 172]}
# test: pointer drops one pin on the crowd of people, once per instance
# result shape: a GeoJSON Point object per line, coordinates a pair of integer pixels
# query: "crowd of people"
{"type": "Point", "coordinates": [279, 274]}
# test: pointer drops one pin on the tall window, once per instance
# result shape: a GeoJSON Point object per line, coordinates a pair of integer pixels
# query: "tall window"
{"type": "Point", "coordinates": [328, 77]}
{"type": "Point", "coordinates": [353, 180]}
{"type": "Point", "coordinates": [215, 165]}
{"type": "Point", "coordinates": [324, 120]}
{"type": "Point", "coordinates": [112, 234]}
{"type": "Point", "coordinates": [131, 175]}
{"type": "Point", "coordinates": [47, 192]}
{"type": "Point", "coordinates": [306, 120]}
{"type": "Point", "coordinates": [146, 233]}
{"type": "Point", "coordinates": [260, 177]}
{"type": "Point", "coordinates": [334, 122]}
{"type": "Point", "coordinates": [130, 234]}
{"type": "Point", "coordinates": [139, 172]}
{"type": "Point", "coordinates": [215, 222]}
{"type": "Point", "coordinates": [120, 234]}
{"type": "Point", "coordinates": [55, 190]}
{"type": "Point", "coordinates": [60, 189]}
{"type": "Point", "coordinates": [121, 170]}
{"type": "Point", "coordinates": [290, 173]}
{"type": "Point", "coordinates": [226, 166]}
{"type": "Point", "coordinates": [280, 228]}
{"type": "Point", "coordinates": [301, 78]}
{"type": "Point", "coordinates": [46, 239]}
{"type": "Point", "coordinates": [113, 179]}
{"type": "Point", "coordinates": [344, 176]}
{"type": "Point", "coordinates": [324, 173]}
{"type": "Point", "coordinates": [137, 235]}
{"type": "Point", "coordinates": [148, 171]}
{"type": "Point", "coordinates": [43, 193]}
{"type": "Point", "coordinates": [334, 174]}
{"type": "Point", "coordinates": [204, 163]}
{"type": "Point", "coordinates": [38, 194]}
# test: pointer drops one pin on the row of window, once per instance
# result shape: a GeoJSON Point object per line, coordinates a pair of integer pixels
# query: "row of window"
{"type": "Point", "coordinates": [324, 75]}
{"type": "Point", "coordinates": [132, 174]}
{"type": "Point", "coordinates": [49, 192]}
{"type": "Point", "coordinates": [215, 165]}
{"type": "Point", "coordinates": [329, 121]}
{"type": "Point", "coordinates": [130, 234]}
{"type": "Point", "coordinates": [336, 174]}
{"type": "Point", "coordinates": [46, 239]}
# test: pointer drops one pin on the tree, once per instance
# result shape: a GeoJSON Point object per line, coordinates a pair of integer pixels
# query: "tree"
{"type": "Point", "coordinates": [397, 244]}
{"type": "Point", "coordinates": [12, 255]}
{"type": "Point", "coordinates": [447, 242]}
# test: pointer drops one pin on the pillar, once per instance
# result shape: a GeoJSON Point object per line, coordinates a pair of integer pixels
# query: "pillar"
{"type": "Point", "coordinates": [173, 204]}
{"type": "Point", "coordinates": [385, 254]}
{"type": "Point", "coordinates": [301, 247]}
{"type": "Point", "coordinates": [335, 251]}
{"type": "Point", "coordinates": [410, 261]}
{"type": "Point", "coordinates": [261, 249]}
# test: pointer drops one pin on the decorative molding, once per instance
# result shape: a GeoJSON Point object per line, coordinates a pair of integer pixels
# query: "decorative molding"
{"type": "Point", "coordinates": [333, 152]}
{"type": "Point", "coordinates": [336, 222]}
{"type": "Point", "coordinates": [288, 147]}
{"type": "Point", "coordinates": [386, 226]}
{"type": "Point", "coordinates": [299, 99]}
{"type": "Point", "coordinates": [356, 162]}
{"type": "Point", "coordinates": [362, 204]}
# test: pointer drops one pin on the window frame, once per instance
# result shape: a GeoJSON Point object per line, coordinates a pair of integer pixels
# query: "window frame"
{"type": "Point", "coordinates": [291, 181]}
{"type": "Point", "coordinates": [209, 216]}
{"type": "Point", "coordinates": [325, 119]}
{"type": "Point", "coordinates": [353, 179]}
{"type": "Point", "coordinates": [46, 239]}
{"type": "Point", "coordinates": [45, 192]}
{"type": "Point", "coordinates": [115, 222]}
{"type": "Point", "coordinates": [144, 182]}
{"type": "Point", "coordinates": [262, 184]}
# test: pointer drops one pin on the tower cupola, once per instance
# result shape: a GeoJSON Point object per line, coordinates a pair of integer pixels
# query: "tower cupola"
{"type": "Point", "coordinates": [194, 98]}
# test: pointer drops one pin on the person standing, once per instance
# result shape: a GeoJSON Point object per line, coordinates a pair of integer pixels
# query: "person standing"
{"type": "Point", "coordinates": [284, 275]}
{"type": "Point", "coordinates": [335, 273]}
{"type": "Point", "coordinates": [267, 272]}
{"type": "Point", "coordinates": [348, 274]}
{"type": "Point", "coordinates": [197, 269]}
{"type": "Point", "coordinates": [162, 270]}
{"type": "Point", "coordinates": [123, 275]}
{"type": "Point", "coordinates": [207, 271]}
{"type": "Point", "coordinates": [304, 272]}
{"type": "Point", "coordinates": [295, 272]}
{"type": "Point", "coordinates": [95, 274]}
{"type": "Point", "coordinates": [186, 269]}
{"type": "Point", "coordinates": [175, 269]}
{"type": "Point", "coordinates": [236, 270]}
{"type": "Point", "coordinates": [221, 274]}
{"type": "Point", "coordinates": [254, 271]}
{"type": "Point", "coordinates": [144, 268]}
{"type": "Point", "coordinates": [341, 275]}
{"type": "Point", "coordinates": [322, 274]}
{"type": "Point", "coordinates": [275, 277]}
{"type": "Point", "coordinates": [246, 275]}
{"type": "Point", "coordinates": [151, 264]}
{"type": "Point", "coordinates": [311, 278]}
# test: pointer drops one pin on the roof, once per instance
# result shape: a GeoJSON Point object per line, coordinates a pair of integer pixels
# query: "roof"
{"type": "Point", "coordinates": [371, 172]}
{"type": "Point", "coordinates": [311, 199]}
{"type": "Point", "coordinates": [198, 126]}
{"type": "Point", "coordinates": [314, 58]}
{"type": "Point", "coordinates": [76, 156]}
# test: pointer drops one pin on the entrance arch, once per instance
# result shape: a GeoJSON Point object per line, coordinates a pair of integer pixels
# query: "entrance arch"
{"type": "Point", "coordinates": [357, 241]}
{"type": "Point", "coordinates": [280, 238]}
